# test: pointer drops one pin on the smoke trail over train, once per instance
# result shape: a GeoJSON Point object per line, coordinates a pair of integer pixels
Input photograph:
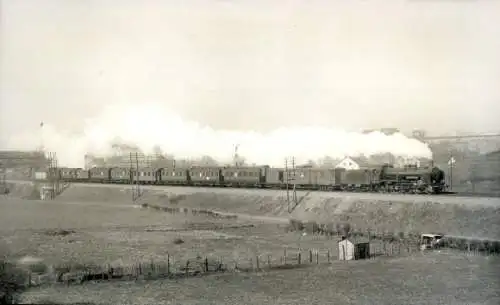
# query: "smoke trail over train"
{"type": "Point", "coordinates": [150, 125]}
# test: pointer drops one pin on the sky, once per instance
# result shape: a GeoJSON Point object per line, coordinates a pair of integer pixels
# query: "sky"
{"type": "Point", "coordinates": [249, 66]}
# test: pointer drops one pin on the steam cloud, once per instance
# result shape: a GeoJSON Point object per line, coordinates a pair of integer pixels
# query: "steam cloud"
{"type": "Point", "coordinates": [147, 125]}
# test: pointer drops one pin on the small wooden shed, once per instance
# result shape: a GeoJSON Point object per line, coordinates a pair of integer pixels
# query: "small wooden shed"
{"type": "Point", "coordinates": [353, 249]}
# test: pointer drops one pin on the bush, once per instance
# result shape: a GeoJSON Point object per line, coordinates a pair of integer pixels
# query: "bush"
{"type": "Point", "coordinates": [178, 241]}
{"type": "Point", "coordinates": [12, 282]}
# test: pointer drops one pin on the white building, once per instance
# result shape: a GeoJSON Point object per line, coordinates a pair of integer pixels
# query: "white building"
{"type": "Point", "coordinates": [353, 250]}
{"type": "Point", "coordinates": [346, 250]}
{"type": "Point", "coordinates": [352, 163]}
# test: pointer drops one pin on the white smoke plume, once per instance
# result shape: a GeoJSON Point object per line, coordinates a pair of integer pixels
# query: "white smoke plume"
{"type": "Point", "coordinates": [147, 125]}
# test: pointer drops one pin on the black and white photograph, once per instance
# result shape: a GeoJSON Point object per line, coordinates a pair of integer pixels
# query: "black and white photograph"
{"type": "Point", "coordinates": [250, 152]}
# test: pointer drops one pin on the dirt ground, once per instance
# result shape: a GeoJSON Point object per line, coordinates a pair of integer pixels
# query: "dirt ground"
{"type": "Point", "coordinates": [435, 278]}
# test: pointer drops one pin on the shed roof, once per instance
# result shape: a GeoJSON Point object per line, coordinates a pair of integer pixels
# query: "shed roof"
{"type": "Point", "coordinates": [357, 240]}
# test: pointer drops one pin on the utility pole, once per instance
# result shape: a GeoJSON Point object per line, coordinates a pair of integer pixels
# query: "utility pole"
{"type": "Point", "coordinates": [290, 177]}
{"type": "Point", "coordinates": [41, 148]}
{"type": "Point", "coordinates": [451, 163]}
{"type": "Point", "coordinates": [235, 156]}
{"type": "Point", "coordinates": [135, 174]}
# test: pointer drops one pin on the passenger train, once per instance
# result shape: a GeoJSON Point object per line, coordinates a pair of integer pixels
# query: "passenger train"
{"type": "Point", "coordinates": [375, 179]}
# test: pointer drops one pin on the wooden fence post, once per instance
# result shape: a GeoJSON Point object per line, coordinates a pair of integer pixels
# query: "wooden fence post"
{"type": "Point", "coordinates": [328, 256]}
{"type": "Point", "coordinates": [299, 259]}
{"type": "Point", "coordinates": [317, 257]}
{"type": "Point", "coordinates": [206, 264]}
{"type": "Point", "coordinates": [310, 256]}
{"type": "Point", "coordinates": [168, 264]}
{"type": "Point", "coordinates": [187, 268]}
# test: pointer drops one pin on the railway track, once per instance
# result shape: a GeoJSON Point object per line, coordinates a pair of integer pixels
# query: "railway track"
{"type": "Point", "coordinates": [187, 189]}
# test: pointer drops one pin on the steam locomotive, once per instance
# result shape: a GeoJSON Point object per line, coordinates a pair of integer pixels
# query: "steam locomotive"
{"type": "Point", "coordinates": [375, 179]}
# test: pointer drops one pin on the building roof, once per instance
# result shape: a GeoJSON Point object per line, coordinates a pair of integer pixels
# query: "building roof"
{"type": "Point", "coordinates": [357, 240]}
{"type": "Point", "coordinates": [363, 161]}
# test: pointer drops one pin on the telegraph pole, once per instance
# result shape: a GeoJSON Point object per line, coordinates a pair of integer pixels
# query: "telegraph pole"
{"type": "Point", "coordinates": [451, 163]}
{"type": "Point", "coordinates": [134, 170]}
{"type": "Point", "coordinates": [236, 157]}
{"type": "Point", "coordinates": [41, 148]}
{"type": "Point", "coordinates": [290, 177]}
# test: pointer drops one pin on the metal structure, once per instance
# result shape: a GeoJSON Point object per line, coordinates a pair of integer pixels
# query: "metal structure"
{"type": "Point", "coordinates": [54, 186]}
{"type": "Point", "coordinates": [236, 157]}
{"type": "Point", "coordinates": [476, 136]}
{"type": "Point", "coordinates": [290, 173]}
{"type": "Point", "coordinates": [137, 161]}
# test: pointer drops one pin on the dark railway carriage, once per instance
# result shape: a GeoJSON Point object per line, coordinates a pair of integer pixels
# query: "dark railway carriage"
{"type": "Point", "coordinates": [99, 174]}
{"type": "Point", "coordinates": [146, 175]}
{"type": "Point", "coordinates": [244, 176]}
{"type": "Point", "coordinates": [339, 178]}
{"type": "Point", "coordinates": [274, 177]}
{"type": "Point", "coordinates": [205, 175]}
{"type": "Point", "coordinates": [358, 179]}
{"type": "Point", "coordinates": [68, 174]}
{"type": "Point", "coordinates": [301, 177]}
{"type": "Point", "coordinates": [82, 175]}
{"type": "Point", "coordinates": [322, 178]}
{"type": "Point", "coordinates": [120, 175]}
{"type": "Point", "coordinates": [174, 175]}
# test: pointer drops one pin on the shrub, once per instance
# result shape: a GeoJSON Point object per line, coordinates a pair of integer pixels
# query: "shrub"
{"type": "Point", "coordinates": [12, 282]}
{"type": "Point", "coordinates": [178, 241]}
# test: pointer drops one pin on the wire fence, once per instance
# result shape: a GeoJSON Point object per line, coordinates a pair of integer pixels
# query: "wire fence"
{"type": "Point", "coordinates": [184, 268]}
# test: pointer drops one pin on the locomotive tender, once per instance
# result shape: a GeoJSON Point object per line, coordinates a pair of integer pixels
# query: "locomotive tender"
{"type": "Point", "coordinates": [375, 179]}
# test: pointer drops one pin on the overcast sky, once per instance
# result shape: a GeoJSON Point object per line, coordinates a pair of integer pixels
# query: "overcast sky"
{"type": "Point", "coordinates": [253, 65]}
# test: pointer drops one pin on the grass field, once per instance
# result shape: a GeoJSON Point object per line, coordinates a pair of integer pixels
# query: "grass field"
{"type": "Point", "coordinates": [431, 279]}
{"type": "Point", "coordinates": [393, 213]}
{"type": "Point", "coordinates": [102, 234]}
{"type": "Point", "coordinates": [102, 226]}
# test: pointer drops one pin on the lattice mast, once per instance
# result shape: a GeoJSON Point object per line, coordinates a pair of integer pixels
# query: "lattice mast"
{"type": "Point", "coordinates": [290, 173]}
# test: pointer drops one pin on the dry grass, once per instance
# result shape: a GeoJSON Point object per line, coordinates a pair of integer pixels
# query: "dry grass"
{"type": "Point", "coordinates": [431, 279]}
{"type": "Point", "coordinates": [98, 225]}
{"type": "Point", "coordinates": [99, 234]}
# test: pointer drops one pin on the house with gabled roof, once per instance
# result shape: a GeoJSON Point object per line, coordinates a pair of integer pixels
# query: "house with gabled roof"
{"type": "Point", "coordinates": [352, 163]}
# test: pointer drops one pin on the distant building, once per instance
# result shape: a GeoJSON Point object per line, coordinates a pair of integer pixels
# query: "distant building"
{"type": "Point", "coordinates": [353, 163]}
{"type": "Point", "coordinates": [419, 134]}
{"type": "Point", "coordinates": [486, 167]}
{"type": "Point", "coordinates": [349, 163]}
{"type": "Point", "coordinates": [353, 250]}
{"type": "Point", "coordinates": [389, 131]}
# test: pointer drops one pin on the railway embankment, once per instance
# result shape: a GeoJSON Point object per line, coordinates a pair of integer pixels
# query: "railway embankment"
{"type": "Point", "coordinates": [379, 213]}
